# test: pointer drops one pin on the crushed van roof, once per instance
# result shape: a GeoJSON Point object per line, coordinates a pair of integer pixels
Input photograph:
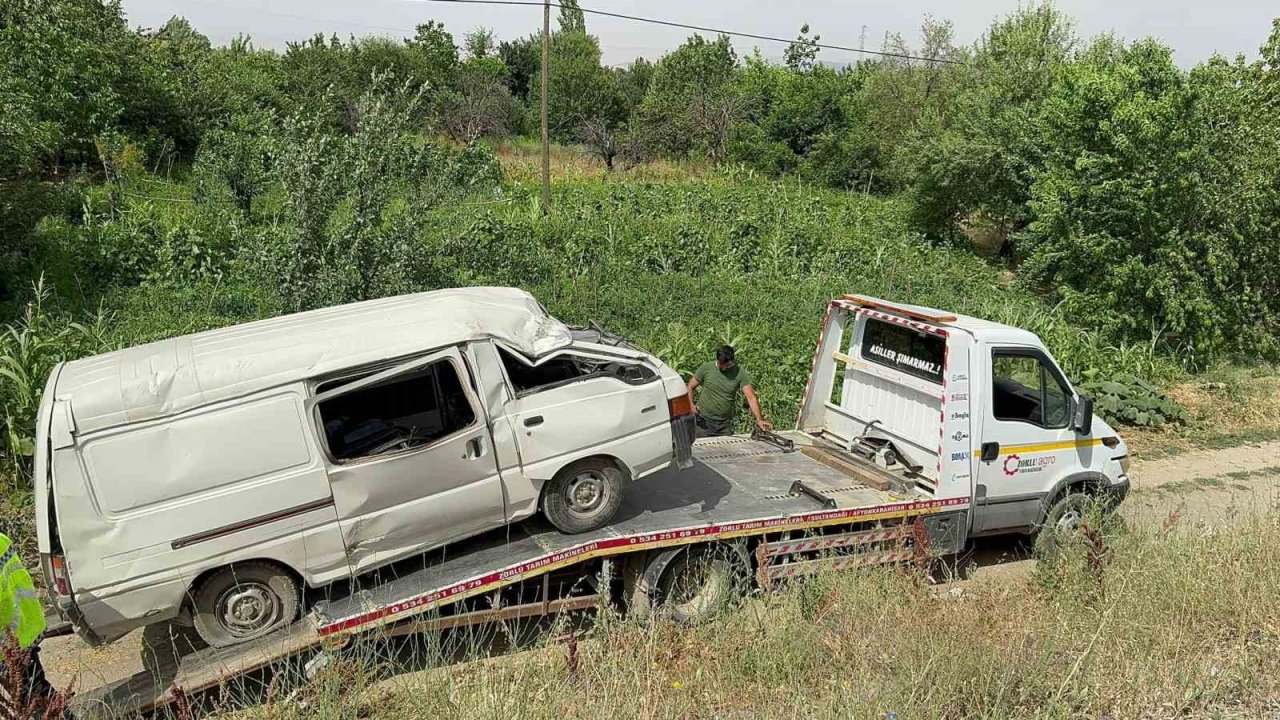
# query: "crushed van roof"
{"type": "Point", "coordinates": [170, 376]}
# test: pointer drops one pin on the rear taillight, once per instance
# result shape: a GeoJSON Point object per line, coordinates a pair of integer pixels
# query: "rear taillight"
{"type": "Point", "coordinates": [61, 580]}
{"type": "Point", "coordinates": [680, 406]}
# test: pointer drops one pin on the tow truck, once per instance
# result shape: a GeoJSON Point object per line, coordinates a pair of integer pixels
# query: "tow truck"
{"type": "Point", "coordinates": [918, 429]}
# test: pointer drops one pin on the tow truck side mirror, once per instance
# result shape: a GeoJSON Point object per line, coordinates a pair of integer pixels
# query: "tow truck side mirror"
{"type": "Point", "coordinates": [1083, 418]}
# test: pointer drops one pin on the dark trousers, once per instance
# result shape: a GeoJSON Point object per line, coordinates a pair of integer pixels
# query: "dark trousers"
{"type": "Point", "coordinates": [712, 427]}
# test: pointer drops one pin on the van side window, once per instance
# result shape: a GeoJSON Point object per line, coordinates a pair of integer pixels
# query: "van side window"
{"type": "Point", "coordinates": [402, 413]}
{"type": "Point", "coordinates": [1025, 389]}
{"type": "Point", "coordinates": [565, 369]}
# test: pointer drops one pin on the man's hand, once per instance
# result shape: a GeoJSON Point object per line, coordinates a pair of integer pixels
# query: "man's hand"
{"type": "Point", "coordinates": [754, 404]}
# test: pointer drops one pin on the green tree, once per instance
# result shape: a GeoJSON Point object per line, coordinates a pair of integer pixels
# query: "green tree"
{"type": "Point", "coordinates": [571, 18]}
{"type": "Point", "coordinates": [1156, 206]}
{"type": "Point", "coordinates": [354, 203]}
{"type": "Point", "coordinates": [579, 90]}
{"type": "Point", "coordinates": [801, 56]}
{"type": "Point", "coordinates": [694, 101]}
{"type": "Point", "coordinates": [63, 66]}
{"type": "Point", "coordinates": [971, 167]}
{"type": "Point", "coordinates": [523, 58]}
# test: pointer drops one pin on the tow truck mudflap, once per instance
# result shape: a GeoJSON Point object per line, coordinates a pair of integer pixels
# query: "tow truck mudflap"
{"type": "Point", "coordinates": [682, 432]}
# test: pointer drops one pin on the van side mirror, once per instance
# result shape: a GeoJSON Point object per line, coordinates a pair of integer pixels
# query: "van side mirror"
{"type": "Point", "coordinates": [1082, 421]}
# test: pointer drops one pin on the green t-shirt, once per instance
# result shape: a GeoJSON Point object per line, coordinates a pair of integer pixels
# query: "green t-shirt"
{"type": "Point", "coordinates": [718, 391]}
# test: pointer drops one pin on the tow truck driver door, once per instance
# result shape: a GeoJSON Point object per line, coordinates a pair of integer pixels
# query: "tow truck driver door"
{"type": "Point", "coordinates": [1027, 438]}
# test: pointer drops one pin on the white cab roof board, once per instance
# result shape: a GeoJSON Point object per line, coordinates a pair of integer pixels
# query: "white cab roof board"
{"type": "Point", "coordinates": [991, 331]}
{"type": "Point", "coordinates": [170, 376]}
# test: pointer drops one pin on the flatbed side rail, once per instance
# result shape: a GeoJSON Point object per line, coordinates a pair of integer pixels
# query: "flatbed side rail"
{"type": "Point", "coordinates": [487, 582]}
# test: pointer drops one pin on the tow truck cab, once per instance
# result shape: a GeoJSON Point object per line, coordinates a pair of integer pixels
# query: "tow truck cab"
{"type": "Point", "coordinates": [964, 407]}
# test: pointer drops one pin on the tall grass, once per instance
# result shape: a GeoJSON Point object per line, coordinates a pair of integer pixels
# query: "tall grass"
{"type": "Point", "coordinates": [29, 349]}
{"type": "Point", "coordinates": [1172, 623]}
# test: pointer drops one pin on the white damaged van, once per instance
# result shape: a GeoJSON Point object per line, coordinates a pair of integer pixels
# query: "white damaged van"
{"type": "Point", "coordinates": [209, 477]}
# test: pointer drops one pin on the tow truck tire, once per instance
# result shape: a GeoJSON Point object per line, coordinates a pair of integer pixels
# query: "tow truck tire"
{"type": "Point", "coordinates": [690, 585]}
{"type": "Point", "coordinates": [1061, 522]}
{"type": "Point", "coordinates": [243, 602]}
{"type": "Point", "coordinates": [698, 586]}
{"type": "Point", "coordinates": [583, 496]}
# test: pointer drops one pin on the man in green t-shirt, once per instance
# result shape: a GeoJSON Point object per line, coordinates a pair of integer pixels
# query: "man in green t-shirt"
{"type": "Point", "coordinates": [717, 402]}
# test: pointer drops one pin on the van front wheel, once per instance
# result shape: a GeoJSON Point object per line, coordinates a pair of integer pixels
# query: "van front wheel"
{"type": "Point", "coordinates": [583, 496]}
{"type": "Point", "coordinates": [244, 602]}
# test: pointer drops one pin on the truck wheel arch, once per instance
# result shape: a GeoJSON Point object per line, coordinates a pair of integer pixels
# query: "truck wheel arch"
{"type": "Point", "coordinates": [1088, 482]}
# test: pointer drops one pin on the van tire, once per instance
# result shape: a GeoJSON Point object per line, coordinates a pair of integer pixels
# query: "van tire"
{"type": "Point", "coordinates": [243, 602]}
{"type": "Point", "coordinates": [583, 496]}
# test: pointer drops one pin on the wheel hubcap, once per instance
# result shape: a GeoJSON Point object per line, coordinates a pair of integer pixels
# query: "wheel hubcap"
{"type": "Point", "coordinates": [1069, 522]}
{"type": "Point", "coordinates": [248, 608]}
{"type": "Point", "coordinates": [586, 492]}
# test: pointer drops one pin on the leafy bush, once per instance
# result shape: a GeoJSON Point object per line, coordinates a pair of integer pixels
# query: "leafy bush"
{"type": "Point", "coordinates": [1129, 400]}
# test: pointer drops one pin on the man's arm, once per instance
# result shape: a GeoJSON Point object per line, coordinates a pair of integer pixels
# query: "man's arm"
{"type": "Point", "coordinates": [693, 383]}
{"type": "Point", "coordinates": [754, 404]}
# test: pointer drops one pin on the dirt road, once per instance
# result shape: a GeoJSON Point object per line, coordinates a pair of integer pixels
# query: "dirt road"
{"type": "Point", "coordinates": [1207, 488]}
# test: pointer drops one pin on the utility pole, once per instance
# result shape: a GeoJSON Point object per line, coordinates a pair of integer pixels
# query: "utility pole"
{"type": "Point", "coordinates": [546, 143]}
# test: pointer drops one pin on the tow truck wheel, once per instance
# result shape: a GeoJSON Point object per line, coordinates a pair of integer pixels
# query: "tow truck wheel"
{"type": "Point", "coordinates": [690, 585]}
{"type": "Point", "coordinates": [697, 586]}
{"type": "Point", "coordinates": [583, 496]}
{"type": "Point", "coordinates": [1061, 522]}
{"type": "Point", "coordinates": [243, 602]}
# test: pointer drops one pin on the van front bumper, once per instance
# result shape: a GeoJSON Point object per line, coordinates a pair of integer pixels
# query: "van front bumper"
{"type": "Point", "coordinates": [1118, 490]}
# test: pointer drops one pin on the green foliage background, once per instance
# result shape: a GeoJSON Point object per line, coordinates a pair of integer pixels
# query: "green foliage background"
{"type": "Point", "coordinates": [1092, 191]}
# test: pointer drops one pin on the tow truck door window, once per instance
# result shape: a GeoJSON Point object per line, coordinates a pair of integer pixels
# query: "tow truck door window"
{"type": "Point", "coordinates": [1025, 389]}
{"type": "Point", "coordinates": [411, 462]}
{"type": "Point", "coordinates": [1027, 414]}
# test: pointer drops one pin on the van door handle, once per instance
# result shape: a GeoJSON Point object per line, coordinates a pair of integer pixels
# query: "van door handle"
{"type": "Point", "coordinates": [475, 449]}
{"type": "Point", "coordinates": [990, 451]}
{"type": "Point", "coordinates": [531, 421]}
{"type": "Point", "coordinates": [650, 408]}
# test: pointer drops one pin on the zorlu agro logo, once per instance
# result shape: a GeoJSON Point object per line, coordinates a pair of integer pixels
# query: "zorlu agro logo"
{"type": "Point", "coordinates": [1015, 464]}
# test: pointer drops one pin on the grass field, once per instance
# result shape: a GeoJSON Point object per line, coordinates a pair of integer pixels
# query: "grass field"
{"type": "Point", "coordinates": [1166, 621]}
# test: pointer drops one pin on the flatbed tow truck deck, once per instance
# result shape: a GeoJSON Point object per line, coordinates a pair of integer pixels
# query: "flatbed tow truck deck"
{"type": "Point", "coordinates": [787, 504]}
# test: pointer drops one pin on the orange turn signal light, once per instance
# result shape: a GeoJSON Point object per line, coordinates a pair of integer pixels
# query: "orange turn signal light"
{"type": "Point", "coordinates": [680, 406]}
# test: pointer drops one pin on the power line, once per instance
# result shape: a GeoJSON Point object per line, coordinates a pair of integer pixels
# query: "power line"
{"type": "Point", "coordinates": [699, 28]}
{"type": "Point", "coordinates": [605, 13]}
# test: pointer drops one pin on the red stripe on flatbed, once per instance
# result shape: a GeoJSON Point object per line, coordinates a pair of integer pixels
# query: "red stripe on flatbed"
{"type": "Point", "coordinates": [613, 546]}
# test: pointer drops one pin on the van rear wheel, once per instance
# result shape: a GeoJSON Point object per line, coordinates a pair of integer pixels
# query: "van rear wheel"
{"type": "Point", "coordinates": [244, 602]}
{"type": "Point", "coordinates": [583, 496]}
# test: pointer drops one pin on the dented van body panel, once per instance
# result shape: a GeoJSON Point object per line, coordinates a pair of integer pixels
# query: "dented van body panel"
{"type": "Point", "coordinates": [330, 443]}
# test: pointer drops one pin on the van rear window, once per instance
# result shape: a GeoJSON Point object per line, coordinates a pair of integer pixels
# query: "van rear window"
{"type": "Point", "coordinates": [904, 349]}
